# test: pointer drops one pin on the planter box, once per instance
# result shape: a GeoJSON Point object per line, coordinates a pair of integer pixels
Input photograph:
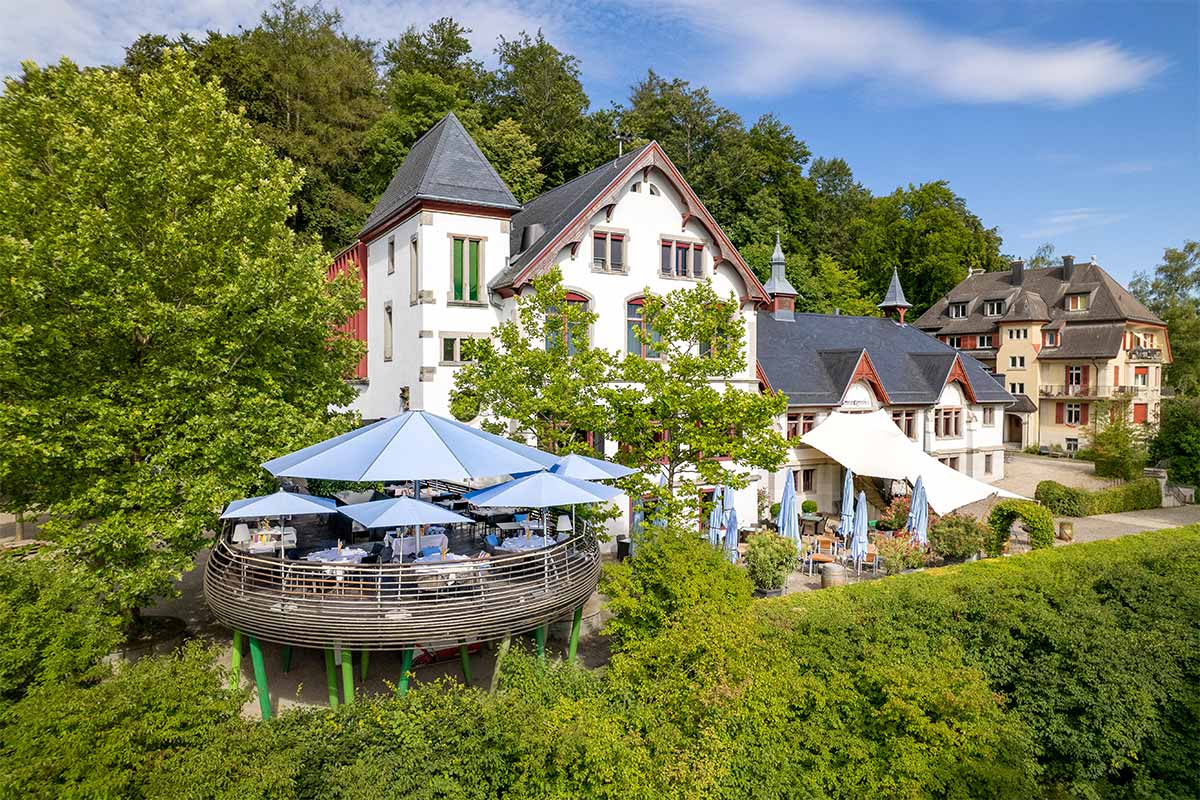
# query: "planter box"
{"type": "Point", "coordinates": [768, 592]}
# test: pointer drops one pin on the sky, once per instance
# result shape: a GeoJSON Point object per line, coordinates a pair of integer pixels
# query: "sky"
{"type": "Point", "coordinates": [1070, 122]}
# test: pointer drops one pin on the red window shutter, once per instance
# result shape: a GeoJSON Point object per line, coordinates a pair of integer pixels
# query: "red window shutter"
{"type": "Point", "coordinates": [969, 343]}
{"type": "Point", "coordinates": [1141, 371]}
{"type": "Point", "coordinates": [1086, 382]}
{"type": "Point", "coordinates": [1059, 412]}
{"type": "Point", "coordinates": [1116, 376]}
{"type": "Point", "coordinates": [1066, 376]}
{"type": "Point", "coordinates": [1083, 413]}
{"type": "Point", "coordinates": [1139, 412]}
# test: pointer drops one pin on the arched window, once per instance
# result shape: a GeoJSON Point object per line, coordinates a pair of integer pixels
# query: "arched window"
{"type": "Point", "coordinates": [654, 190]}
{"type": "Point", "coordinates": [635, 320]}
{"type": "Point", "coordinates": [637, 187]}
{"type": "Point", "coordinates": [573, 329]}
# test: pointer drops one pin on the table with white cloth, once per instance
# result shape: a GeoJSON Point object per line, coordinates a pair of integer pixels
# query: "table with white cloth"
{"type": "Point", "coordinates": [527, 525]}
{"type": "Point", "coordinates": [407, 545]}
{"type": "Point", "coordinates": [521, 543]}
{"type": "Point", "coordinates": [440, 571]}
{"type": "Point", "coordinates": [347, 555]}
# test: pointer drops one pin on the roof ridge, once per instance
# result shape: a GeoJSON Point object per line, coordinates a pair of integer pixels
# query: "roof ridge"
{"type": "Point", "coordinates": [589, 173]}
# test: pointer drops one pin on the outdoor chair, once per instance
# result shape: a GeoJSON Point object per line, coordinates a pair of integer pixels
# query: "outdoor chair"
{"type": "Point", "coordinates": [429, 551]}
{"type": "Point", "coordinates": [492, 540]}
{"type": "Point", "coordinates": [823, 551]}
{"type": "Point", "coordinates": [869, 561]}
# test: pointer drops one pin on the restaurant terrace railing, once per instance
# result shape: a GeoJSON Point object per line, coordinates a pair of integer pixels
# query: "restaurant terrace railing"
{"type": "Point", "coordinates": [399, 606]}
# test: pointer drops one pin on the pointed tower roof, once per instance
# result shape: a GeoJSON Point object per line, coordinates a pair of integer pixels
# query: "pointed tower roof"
{"type": "Point", "coordinates": [895, 294]}
{"type": "Point", "coordinates": [444, 165]}
{"type": "Point", "coordinates": [778, 282]}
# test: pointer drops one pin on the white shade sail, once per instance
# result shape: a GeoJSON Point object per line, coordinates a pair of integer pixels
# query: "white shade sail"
{"type": "Point", "coordinates": [871, 444]}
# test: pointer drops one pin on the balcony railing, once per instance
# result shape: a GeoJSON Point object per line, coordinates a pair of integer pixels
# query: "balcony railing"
{"type": "Point", "coordinates": [1088, 391]}
{"type": "Point", "coordinates": [396, 606]}
{"type": "Point", "coordinates": [1145, 354]}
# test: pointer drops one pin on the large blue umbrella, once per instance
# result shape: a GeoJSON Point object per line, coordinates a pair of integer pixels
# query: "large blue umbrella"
{"type": "Point", "coordinates": [858, 545]}
{"type": "Point", "coordinates": [847, 514]}
{"type": "Point", "coordinates": [415, 445]}
{"type": "Point", "coordinates": [716, 518]}
{"type": "Point", "coordinates": [398, 512]}
{"type": "Point", "coordinates": [788, 520]}
{"type": "Point", "coordinates": [279, 504]}
{"type": "Point", "coordinates": [589, 469]}
{"type": "Point", "coordinates": [731, 535]}
{"type": "Point", "coordinates": [541, 490]}
{"type": "Point", "coordinates": [918, 513]}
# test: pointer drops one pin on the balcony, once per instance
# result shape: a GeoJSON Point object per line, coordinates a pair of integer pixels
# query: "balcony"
{"type": "Point", "coordinates": [1144, 354]}
{"type": "Point", "coordinates": [1088, 392]}
{"type": "Point", "coordinates": [395, 606]}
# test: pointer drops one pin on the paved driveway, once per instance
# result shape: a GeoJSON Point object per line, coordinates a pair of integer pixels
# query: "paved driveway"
{"type": "Point", "coordinates": [1110, 526]}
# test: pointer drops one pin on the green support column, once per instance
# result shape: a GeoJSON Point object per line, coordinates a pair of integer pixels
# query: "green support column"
{"type": "Point", "coordinates": [235, 659]}
{"type": "Point", "coordinates": [348, 677]}
{"type": "Point", "coordinates": [465, 657]}
{"type": "Point", "coordinates": [287, 659]}
{"type": "Point", "coordinates": [539, 636]}
{"type": "Point", "coordinates": [406, 659]}
{"type": "Point", "coordinates": [576, 624]}
{"type": "Point", "coordinates": [260, 678]}
{"type": "Point", "coordinates": [362, 667]}
{"type": "Point", "coordinates": [331, 679]}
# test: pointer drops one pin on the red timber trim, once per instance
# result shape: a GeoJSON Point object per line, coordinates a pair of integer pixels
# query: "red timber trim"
{"type": "Point", "coordinates": [354, 259]}
{"type": "Point", "coordinates": [418, 205]}
{"type": "Point", "coordinates": [652, 157]}
{"type": "Point", "coordinates": [959, 373]}
{"type": "Point", "coordinates": [1059, 414]}
{"type": "Point", "coordinates": [764, 382]}
{"type": "Point", "coordinates": [865, 371]}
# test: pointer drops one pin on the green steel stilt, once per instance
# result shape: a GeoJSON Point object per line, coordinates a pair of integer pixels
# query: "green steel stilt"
{"type": "Point", "coordinates": [501, 651]}
{"type": "Point", "coordinates": [348, 677]}
{"type": "Point", "coordinates": [362, 667]}
{"type": "Point", "coordinates": [235, 658]}
{"type": "Point", "coordinates": [465, 657]}
{"type": "Point", "coordinates": [287, 659]}
{"type": "Point", "coordinates": [331, 679]}
{"type": "Point", "coordinates": [260, 678]}
{"type": "Point", "coordinates": [576, 624]}
{"type": "Point", "coordinates": [406, 659]}
{"type": "Point", "coordinates": [539, 636]}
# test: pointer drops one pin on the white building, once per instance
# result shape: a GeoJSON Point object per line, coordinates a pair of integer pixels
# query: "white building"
{"type": "Point", "coordinates": [448, 249]}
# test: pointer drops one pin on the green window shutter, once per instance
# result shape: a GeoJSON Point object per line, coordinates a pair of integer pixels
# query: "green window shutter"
{"type": "Point", "coordinates": [458, 269]}
{"type": "Point", "coordinates": [474, 261]}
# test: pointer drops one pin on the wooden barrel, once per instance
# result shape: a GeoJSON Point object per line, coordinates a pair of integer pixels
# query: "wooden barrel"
{"type": "Point", "coordinates": [832, 575]}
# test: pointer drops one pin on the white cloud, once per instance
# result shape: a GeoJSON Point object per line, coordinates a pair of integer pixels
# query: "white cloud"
{"type": "Point", "coordinates": [763, 48]}
{"type": "Point", "coordinates": [1060, 222]}
{"type": "Point", "coordinates": [97, 31]}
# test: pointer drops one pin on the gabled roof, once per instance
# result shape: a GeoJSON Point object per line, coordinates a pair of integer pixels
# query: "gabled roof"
{"type": "Point", "coordinates": [912, 366]}
{"type": "Point", "coordinates": [1038, 297]}
{"type": "Point", "coordinates": [444, 165]}
{"type": "Point", "coordinates": [566, 210]}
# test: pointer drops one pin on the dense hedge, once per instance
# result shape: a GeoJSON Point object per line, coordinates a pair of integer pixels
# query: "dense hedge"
{"type": "Point", "coordinates": [1070, 672]}
{"type": "Point", "coordinates": [1067, 501]}
{"type": "Point", "coordinates": [1036, 518]}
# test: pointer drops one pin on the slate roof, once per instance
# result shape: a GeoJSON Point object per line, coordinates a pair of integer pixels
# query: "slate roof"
{"type": "Point", "coordinates": [911, 365]}
{"type": "Point", "coordinates": [1040, 297]}
{"type": "Point", "coordinates": [444, 164]}
{"type": "Point", "coordinates": [555, 209]}
{"type": "Point", "coordinates": [778, 282]}
{"type": "Point", "coordinates": [895, 294]}
{"type": "Point", "coordinates": [1087, 341]}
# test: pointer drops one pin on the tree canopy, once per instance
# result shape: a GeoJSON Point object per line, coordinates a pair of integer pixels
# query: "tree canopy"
{"type": "Point", "coordinates": [1173, 292]}
{"type": "Point", "coordinates": [164, 330]}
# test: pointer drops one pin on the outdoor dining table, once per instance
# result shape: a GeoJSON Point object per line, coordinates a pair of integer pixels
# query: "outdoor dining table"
{"type": "Point", "coordinates": [814, 519]}
{"type": "Point", "coordinates": [347, 555]}
{"type": "Point", "coordinates": [520, 543]}
{"type": "Point", "coordinates": [408, 544]}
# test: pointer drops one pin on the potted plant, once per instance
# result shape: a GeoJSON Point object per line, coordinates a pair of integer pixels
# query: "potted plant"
{"type": "Point", "coordinates": [808, 507]}
{"type": "Point", "coordinates": [769, 559]}
{"type": "Point", "coordinates": [895, 516]}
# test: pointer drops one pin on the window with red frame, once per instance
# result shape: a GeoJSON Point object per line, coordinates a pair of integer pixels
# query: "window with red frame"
{"type": "Point", "coordinates": [682, 259]}
{"type": "Point", "coordinates": [573, 329]}
{"type": "Point", "coordinates": [635, 320]}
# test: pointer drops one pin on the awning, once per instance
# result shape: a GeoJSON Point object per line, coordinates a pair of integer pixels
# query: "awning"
{"type": "Point", "coordinates": [871, 444]}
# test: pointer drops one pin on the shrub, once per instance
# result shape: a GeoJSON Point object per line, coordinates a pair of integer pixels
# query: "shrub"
{"type": "Point", "coordinates": [1033, 450]}
{"type": "Point", "coordinates": [770, 558]}
{"type": "Point", "coordinates": [1037, 520]}
{"type": "Point", "coordinates": [899, 553]}
{"type": "Point", "coordinates": [956, 536]}
{"type": "Point", "coordinates": [808, 507]}
{"type": "Point", "coordinates": [1065, 501]}
{"type": "Point", "coordinates": [895, 516]}
{"type": "Point", "coordinates": [671, 571]}
{"type": "Point", "coordinates": [54, 626]}
{"type": "Point", "coordinates": [1177, 442]}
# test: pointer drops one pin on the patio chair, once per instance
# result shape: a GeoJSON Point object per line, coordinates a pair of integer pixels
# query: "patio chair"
{"type": "Point", "coordinates": [869, 561]}
{"type": "Point", "coordinates": [492, 540]}
{"type": "Point", "coordinates": [823, 551]}
{"type": "Point", "coordinates": [429, 551]}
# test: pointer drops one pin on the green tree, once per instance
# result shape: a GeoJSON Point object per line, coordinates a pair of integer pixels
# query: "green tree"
{"type": "Point", "coordinates": [537, 376]}
{"type": "Point", "coordinates": [164, 331]}
{"type": "Point", "coordinates": [1118, 445]}
{"type": "Point", "coordinates": [1173, 293]}
{"type": "Point", "coordinates": [1177, 441]}
{"type": "Point", "coordinates": [1042, 257]}
{"type": "Point", "coordinates": [823, 284]}
{"type": "Point", "coordinates": [514, 155]}
{"type": "Point", "coordinates": [442, 50]}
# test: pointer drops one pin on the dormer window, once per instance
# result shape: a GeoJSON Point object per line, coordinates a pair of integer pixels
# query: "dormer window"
{"type": "Point", "coordinates": [1050, 338]}
{"type": "Point", "coordinates": [1077, 302]}
{"type": "Point", "coordinates": [993, 308]}
{"type": "Point", "coordinates": [957, 310]}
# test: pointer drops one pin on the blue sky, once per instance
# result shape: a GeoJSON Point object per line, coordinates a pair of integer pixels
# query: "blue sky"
{"type": "Point", "coordinates": [1070, 122]}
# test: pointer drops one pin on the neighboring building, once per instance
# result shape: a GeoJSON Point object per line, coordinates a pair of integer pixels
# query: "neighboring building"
{"type": "Point", "coordinates": [1064, 340]}
{"type": "Point", "coordinates": [943, 400]}
{"type": "Point", "coordinates": [448, 249]}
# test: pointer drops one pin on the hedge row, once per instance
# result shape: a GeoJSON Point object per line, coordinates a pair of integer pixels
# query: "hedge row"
{"type": "Point", "coordinates": [1066, 501]}
{"type": "Point", "coordinates": [1068, 672]}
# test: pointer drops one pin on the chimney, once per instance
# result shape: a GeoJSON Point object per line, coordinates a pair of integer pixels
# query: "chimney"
{"type": "Point", "coordinates": [1018, 272]}
{"type": "Point", "coordinates": [1068, 267]}
{"type": "Point", "coordinates": [530, 234]}
{"type": "Point", "coordinates": [783, 294]}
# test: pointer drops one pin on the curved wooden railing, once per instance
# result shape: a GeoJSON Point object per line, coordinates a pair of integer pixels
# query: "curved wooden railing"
{"type": "Point", "coordinates": [398, 606]}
